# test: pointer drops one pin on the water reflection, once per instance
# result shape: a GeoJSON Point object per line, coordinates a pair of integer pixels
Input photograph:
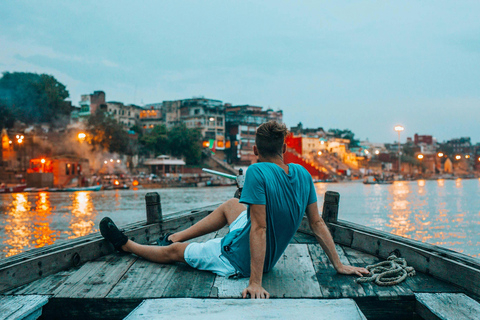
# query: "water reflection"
{"type": "Point", "coordinates": [42, 232]}
{"type": "Point", "coordinates": [400, 210]}
{"type": "Point", "coordinates": [82, 222]}
{"type": "Point", "coordinates": [27, 226]}
{"type": "Point", "coordinates": [441, 182]}
{"type": "Point", "coordinates": [17, 227]}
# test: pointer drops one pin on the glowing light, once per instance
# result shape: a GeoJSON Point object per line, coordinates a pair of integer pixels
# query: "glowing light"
{"type": "Point", "coordinates": [118, 161]}
{"type": "Point", "coordinates": [135, 183]}
{"type": "Point", "coordinates": [399, 128]}
{"type": "Point", "coordinates": [17, 136]}
{"type": "Point", "coordinates": [322, 142]}
{"type": "Point", "coordinates": [478, 158]}
{"type": "Point", "coordinates": [458, 157]}
{"type": "Point", "coordinates": [42, 161]}
{"type": "Point", "coordinates": [467, 156]}
{"type": "Point", "coordinates": [111, 160]}
{"type": "Point", "coordinates": [377, 151]}
{"type": "Point", "coordinates": [20, 140]}
{"type": "Point", "coordinates": [212, 119]}
{"type": "Point", "coordinates": [82, 136]}
{"type": "Point", "coordinates": [319, 153]}
{"type": "Point", "coordinates": [420, 156]}
{"type": "Point", "coordinates": [10, 141]}
{"type": "Point", "coordinates": [21, 137]}
{"type": "Point", "coordinates": [367, 152]}
{"type": "Point", "coordinates": [116, 182]}
{"type": "Point", "coordinates": [440, 154]}
{"type": "Point", "coordinates": [105, 161]}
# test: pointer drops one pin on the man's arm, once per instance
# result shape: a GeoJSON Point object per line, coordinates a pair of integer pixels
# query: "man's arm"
{"type": "Point", "coordinates": [258, 247]}
{"type": "Point", "coordinates": [324, 238]}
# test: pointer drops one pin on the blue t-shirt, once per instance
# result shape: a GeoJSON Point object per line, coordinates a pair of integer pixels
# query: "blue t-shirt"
{"type": "Point", "coordinates": [286, 197]}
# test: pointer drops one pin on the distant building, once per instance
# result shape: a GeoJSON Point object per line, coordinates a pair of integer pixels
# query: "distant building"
{"type": "Point", "coordinates": [460, 145]}
{"type": "Point", "coordinates": [427, 143]}
{"type": "Point", "coordinates": [90, 103]}
{"type": "Point", "coordinates": [241, 124]}
{"type": "Point", "coordinates": [151, 116]}
{"type": "Point", "coordinates": [426, 139]}
{"type": "Point", "coordinates": [207, 115]}
{"type": "Point", "coordinates": [126, 115]}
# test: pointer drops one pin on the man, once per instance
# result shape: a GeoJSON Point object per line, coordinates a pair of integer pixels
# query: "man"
{"type": "Point", "coordinates": [274, 199]}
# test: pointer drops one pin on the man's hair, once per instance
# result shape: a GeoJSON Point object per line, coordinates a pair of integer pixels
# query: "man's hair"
{"type": "Point", "coordinates": [270, 138]}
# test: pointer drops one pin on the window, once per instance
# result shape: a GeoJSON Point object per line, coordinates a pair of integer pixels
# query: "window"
{"type": "Point", "coordinates": [67, 169]}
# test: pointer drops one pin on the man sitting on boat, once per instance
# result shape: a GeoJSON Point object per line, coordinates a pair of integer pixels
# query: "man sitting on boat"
{"type": "Point", "coordinates": [262, 223]}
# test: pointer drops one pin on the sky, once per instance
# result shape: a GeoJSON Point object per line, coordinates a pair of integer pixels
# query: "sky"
{"type": "Point", "coordinates": [362, 65]}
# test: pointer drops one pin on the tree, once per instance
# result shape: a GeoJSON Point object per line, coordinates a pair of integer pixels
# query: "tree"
{"type": "Point", "coordinates": [106, 133]}
{"type": "Point", "coordinates": [7, 118]}
{"type": "Point", "coordinates": [185, 142]}
{"type": "Point", "coordinates": [156, 140]}
{"type": "Point", "coordinates": [34, 98]}
{"type": "Point", "coordinates": [346, 134]}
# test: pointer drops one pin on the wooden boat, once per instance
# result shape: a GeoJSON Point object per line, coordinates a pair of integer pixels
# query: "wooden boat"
{"type": "Point", "coordinates": [15, 189]}
{"type": "Point", "coordinates": [84, 278]}
{"type": "Point", "coordinates": [91, 188]}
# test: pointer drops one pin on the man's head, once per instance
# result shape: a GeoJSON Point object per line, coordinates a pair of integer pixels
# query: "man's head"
{"type": "Point", "coordinates": [270, 138]}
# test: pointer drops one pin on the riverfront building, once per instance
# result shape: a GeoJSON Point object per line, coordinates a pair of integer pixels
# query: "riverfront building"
{"type": "Point", "coordinates": [241, 123]}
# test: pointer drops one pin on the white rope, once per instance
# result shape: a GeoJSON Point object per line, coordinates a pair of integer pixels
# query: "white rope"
{"type": "Point", "coordinates": [388, 273]}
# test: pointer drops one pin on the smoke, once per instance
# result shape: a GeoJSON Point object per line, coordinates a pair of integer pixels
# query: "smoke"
{"type": "Point", "coordinates": [66, 143]}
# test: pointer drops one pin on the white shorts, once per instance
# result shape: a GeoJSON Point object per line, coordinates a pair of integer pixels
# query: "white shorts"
{"type": "Point", "coordinates": [208, 255]}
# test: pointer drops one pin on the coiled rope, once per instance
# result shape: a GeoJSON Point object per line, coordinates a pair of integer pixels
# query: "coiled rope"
{"type": "Point", "coordinates": [388, 273]}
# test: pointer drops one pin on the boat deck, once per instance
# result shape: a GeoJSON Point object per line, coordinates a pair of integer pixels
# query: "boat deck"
{"type": "Point", "coordinates": [110, 287]}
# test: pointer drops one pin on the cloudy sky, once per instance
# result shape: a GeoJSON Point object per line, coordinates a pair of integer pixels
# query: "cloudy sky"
{"type": "Point", "coordinates": [366, 66]}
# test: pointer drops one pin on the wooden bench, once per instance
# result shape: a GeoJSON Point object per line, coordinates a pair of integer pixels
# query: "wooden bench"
{"type": "Point", "coordinates": [220, 309]}
{"type": "Point", "coordinates": [443, 306]}
{"type": "Point", "coordinates": [22, 307]}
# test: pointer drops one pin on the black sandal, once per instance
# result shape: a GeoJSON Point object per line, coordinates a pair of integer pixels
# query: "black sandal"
{"type": "Point", "coordinates": [112, 234]}
{"type": "Point", "coordinates": [163, 241]}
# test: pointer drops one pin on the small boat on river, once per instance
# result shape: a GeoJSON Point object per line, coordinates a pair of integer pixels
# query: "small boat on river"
{"type": "Point", "coordinates": [84, 278]}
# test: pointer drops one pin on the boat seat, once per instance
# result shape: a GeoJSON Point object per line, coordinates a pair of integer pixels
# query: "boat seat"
{"type": "Point", "coordinates": [220, 309]}
{"type": "Point", "coordinates": [22, 307]}
{"type": "Point", "coordinates": [435, 306]}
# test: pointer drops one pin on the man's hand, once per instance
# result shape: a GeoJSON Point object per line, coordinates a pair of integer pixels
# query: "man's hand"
{"type": "Point", "coordinates": [343, 269]}
{"type": "Point", "coordinates": [256, 292]}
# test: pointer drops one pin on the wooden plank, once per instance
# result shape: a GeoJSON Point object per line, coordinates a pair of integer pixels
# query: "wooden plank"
{"type": "Point", "coordinates": [96, 279]}
{"type": "Point", "coordinates": [213, 309]}
{"type": "Point", "coordinates": [222, 232]}
{"type": "Point", "coordinates": [304, 238]}
{"type": "Point", "coordinates": [187, 282]}
{"type": "Point", "coordinates": [441, 263]}
{"type": "Point", "coordinates": [61, 257]}
{"type": "Point", "coordinates": [292, 277]}
{"type": "Point", "coordinates": [332, 284]}
{"type": "Point", "coordinates": [445, 306]}
{"type": "Point", "coordinates": [22, 307]}
{"type": "Point", "coordinates": [360, 259]}
{"type": "Point", "coordinates": [43, 286]}
{"type": "Point", "coordinates": [144, 279]}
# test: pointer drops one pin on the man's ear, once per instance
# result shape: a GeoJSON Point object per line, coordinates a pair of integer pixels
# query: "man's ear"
{"type": "Point", "coordinates": [255, 150]}
{"type": "Point", "coordinates": [284, 148]}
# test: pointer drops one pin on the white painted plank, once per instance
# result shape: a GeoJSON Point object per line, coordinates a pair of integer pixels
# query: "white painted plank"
{"type": "Point", "coordinates": [292, 277]}
{"type": "Point", "coordinates": [221, 309]}
{"type": "Point", "coordinates": [445, 306]}
{"type": "Point", "coordinates": [22, 307]}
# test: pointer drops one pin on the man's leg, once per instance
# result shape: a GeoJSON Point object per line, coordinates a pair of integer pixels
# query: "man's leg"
{"type": "Point", "coordinates": [168, 254]}
{"type": "Point", "coordinates": [225, 214]}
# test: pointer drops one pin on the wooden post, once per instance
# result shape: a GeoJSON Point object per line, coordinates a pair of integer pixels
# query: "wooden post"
{"type": "Point", "coordinates": [330, 206]}
{"type": "Point", "coordinates": [154, 207]}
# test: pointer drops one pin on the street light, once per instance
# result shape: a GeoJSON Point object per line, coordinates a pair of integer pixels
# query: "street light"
{"type": "Point", "coordinates": [81, 136]}
{"type": "Point", "coordinates": [440, 154]}
{"type": "Point", "coordinates": [420, 156]}
{"type": "Point", "coordinates": [458, 157]}
{"type": "Point", "coordinates": [399, 129]}
{"type": "Point", "coordinates": [319, 153]}
{"type": "Point", "coordinates": [377, 152]}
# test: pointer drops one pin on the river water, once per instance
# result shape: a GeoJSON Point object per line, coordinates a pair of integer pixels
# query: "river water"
{"type": "Point", "coordinates": [443, 212]}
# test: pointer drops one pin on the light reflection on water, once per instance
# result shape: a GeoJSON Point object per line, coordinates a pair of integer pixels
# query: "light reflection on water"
{"type": "Point", "coordinates": [443, 212]}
